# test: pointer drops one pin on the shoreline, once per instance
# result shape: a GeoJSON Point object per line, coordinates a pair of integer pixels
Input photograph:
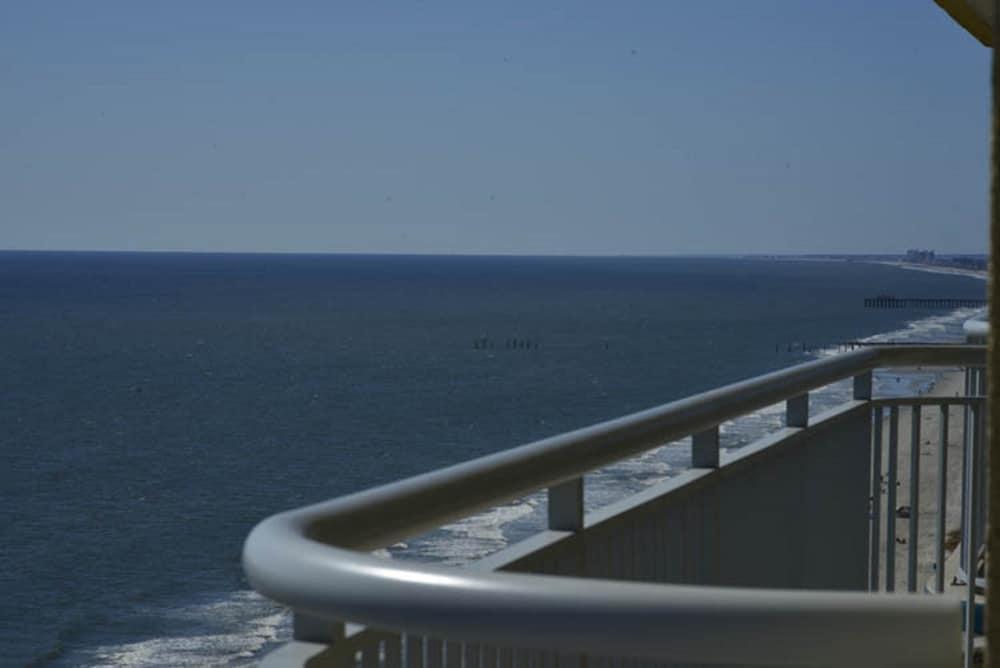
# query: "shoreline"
{"type": "Point", "coordinates": [949, 383]}
{"type": "Point", "coordinates": [933, 269]}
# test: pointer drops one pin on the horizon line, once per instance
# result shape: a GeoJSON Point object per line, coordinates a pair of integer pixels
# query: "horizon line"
{"type": "Point", "coordinates": [720, 254]}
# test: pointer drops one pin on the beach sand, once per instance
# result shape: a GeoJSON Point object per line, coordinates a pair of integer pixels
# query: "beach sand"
{"type": "Point", "coordinates": [950, 384]}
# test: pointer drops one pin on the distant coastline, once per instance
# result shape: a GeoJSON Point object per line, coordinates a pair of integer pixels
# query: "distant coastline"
{"type": "Point", "coordinates": [942, 267]}
{"type": "Point", "coordinates": [933, 269]}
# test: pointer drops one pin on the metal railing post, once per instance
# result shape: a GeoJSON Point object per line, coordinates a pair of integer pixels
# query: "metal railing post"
{"type": "Point", "coordinates": [315, 629]}
{"type": "Point", "coordinates": [981, 478]}
{"type": "Point", "coordinates": [942, 502]}
{"type": "Point", "coordinates": [966, 447]}
{"type": "Point", "coordinates": [914, 524]}
{"type": "Point", "coordinates": [975, 385]}
{"type": "Point", "coordinates": [862, 391]}
{"type": "Point", "coordinates": [566, 505]}
{"type": "Point", "coordinates": [875, 531]}
{"type": "Point", "coordinates": [797, 411]}
{"type": "Point", "coordinates": [970, 538]}
{"type": "Point", "coordinates": [705, 449]}
{"type": "Point", "coordinates": [890, 505]}
{"type": "Point", "coordinates": [863, 386]}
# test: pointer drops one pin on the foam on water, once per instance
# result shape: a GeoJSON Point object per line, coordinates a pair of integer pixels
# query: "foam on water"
{"type": "Point", "coordinates": [232, 630]}
{"type": "Point", "coordinates": [932, 328]}
{"type": "Point", "coordinates": [470, 538]}
{"type": "Point", "coordinates": [631, 475]}
{"type": "Point", "coordinates": [748, 428]}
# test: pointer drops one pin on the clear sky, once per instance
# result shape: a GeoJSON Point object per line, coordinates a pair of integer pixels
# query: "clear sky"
{"type": "Point", "coordinates": [585, 127]}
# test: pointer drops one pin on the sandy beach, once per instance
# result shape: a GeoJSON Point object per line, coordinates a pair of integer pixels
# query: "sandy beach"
{"type": "Point", "coordinates": [950, 384]}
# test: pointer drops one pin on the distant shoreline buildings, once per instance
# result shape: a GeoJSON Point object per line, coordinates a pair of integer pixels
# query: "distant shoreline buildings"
{"type": "Point", "coordinates": [929, 257]}
{"type": "Point", "coordinates": [917, 256]}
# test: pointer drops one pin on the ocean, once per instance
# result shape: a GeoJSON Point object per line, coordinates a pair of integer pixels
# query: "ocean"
{"type": "Point", "coordinates": [156, 406]}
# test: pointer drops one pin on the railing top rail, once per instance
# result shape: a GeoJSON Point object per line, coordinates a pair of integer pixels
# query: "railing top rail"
{"type": "Point", "coordinates": [977, 326]}
{"type": "Point", "coordinates": [383, 515]}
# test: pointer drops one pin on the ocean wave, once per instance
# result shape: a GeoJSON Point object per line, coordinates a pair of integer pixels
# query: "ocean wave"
{"type": "Point", "coordinates": [932, 328]}
{"type": "Point", "coordinates": [233, 629]}
{"type": "Point", "coordinates": [473, 537]}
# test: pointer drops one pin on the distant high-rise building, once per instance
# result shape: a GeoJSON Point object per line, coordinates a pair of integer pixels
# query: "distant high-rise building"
{"type": "Point", "coordinates": [920, 256]}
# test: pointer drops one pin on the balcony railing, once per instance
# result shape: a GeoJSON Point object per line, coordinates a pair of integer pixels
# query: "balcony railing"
{"type": "Point", "coordinates": [779, 553]}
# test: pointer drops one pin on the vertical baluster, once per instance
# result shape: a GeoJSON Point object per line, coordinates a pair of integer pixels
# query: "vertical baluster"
{"type": "Point", "coordinates": [566, 505]}
{"type": "Point", "coordinates": [711, 541]}
{"type": "Point", "coordinates": [647, 541]}
{"type": "Point", "coordinates": [911, 562]}
{"type": "Point", "coordinates": [668, 528]}
{"type": "Point", "coordinates": [638, 548]}
{"type": "Point", "coordinates": [453, 655]}
{"type": "Point", "coordinates": [371, 651]}
{"type": "Point", "coordinates": [523, 658]}
{"type": "Point", "coordinates": [970, 537]}
{"type": "Point", "coordinates": [875, 534]}
{"type": "Point", "coordinates": [705, 454]}
{"type": "Point", "coordinates": [603, 547]}
{"type": "Point", "coordinates": [890, 506]}
{"type": "Point", "coordinates": [392, 646]}
{"type": "Point", "coordinates": [505, 658]}
{"type": "Point", "coordinates": [471, 655]}
{"type": "Point", "coordinates": [414, 651]}
{"type": "Point", "coordinates": [942, 502]}
{"type": "Point", "coordinates": [693, 541]}
{"type": "Point", "coordinates": [679, 542]}
{"type": "Point", "coordinates": [966, 446]}
{"type": "Point", "coordinates": [489, 657]}
{"type": "Point", "coordinates": [660, 530]}
{"type": "Point", "coordinates": [598, 557]}
{"type": "Point", "coordinates": [626, 539]}
{"type": "Point", "coordinates": [433, 653]}
{"type": "Point", "coordinates": [981, 481]}
{"type": "Point", "coordinates": [615, 561]}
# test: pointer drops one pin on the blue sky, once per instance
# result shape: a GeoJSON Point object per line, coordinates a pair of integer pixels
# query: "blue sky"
{"type": "Point", "coordinates": [467, 127]}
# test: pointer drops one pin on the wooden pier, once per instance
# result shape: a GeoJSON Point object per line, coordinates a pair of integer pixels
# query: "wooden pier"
{"type": "Point", "coordinates": [914, 302]}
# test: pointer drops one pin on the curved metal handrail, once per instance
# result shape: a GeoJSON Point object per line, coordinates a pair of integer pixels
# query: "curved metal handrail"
{"type": "Point", "coordinates": [609, 618]}
{"type": "Point", "coordinates": [306, 558]}
{"type": "Point", "coordinates": [977, 327]}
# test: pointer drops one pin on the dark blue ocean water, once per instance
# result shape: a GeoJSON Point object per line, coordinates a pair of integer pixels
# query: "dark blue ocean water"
{"type": "Point", "coordinates": [155, 406]}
